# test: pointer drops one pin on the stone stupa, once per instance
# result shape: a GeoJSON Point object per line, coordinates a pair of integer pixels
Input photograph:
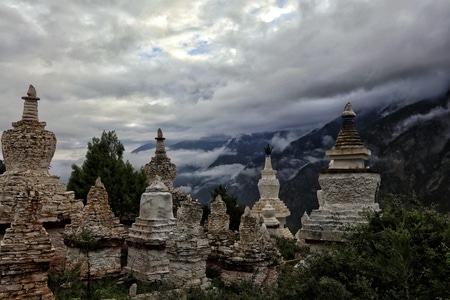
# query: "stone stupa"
{"type": "Point", "coordinates": [348, 188]}
{"type": "Point", "coordinates": [269, 188]}
{"type": "Point", "coordinates": [27, 151]}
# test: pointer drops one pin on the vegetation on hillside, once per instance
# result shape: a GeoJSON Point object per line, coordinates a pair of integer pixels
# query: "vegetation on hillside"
{"type": "Point", "coordinates": [123, 183]}
{"type": "Point", "coordinates": [400, 254]}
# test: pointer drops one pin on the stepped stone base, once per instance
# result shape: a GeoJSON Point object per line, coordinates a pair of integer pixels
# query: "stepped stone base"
{"type": "Point", "coordinates": [148, 260]}
{"type": "Point", "coordinates": [149, 231]}
{"type": "Point", "coordinates": [346, 197]}
{"type": "Point", "coordinates": [102, 262]}
{"type": "Point", "coordinates": [148, 265]}
{"type": "Point", "coordinates": [57, 203]}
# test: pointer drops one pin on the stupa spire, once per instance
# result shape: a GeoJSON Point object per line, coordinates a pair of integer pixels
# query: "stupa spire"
{"type": "Point", "coordinates": [348, 136]}
{"type": "Point", "coordinates": [268, 162]}
{"type": "Point", "coordinates": [348, 151]}
{"type": "Point", "coordinates": [30, 106]}
{"type": "Point", "coordinates": [160, 148]}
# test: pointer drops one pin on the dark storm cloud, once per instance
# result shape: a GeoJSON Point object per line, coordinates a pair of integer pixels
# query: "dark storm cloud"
{"type": "Point", "coordinates": [196, 68]}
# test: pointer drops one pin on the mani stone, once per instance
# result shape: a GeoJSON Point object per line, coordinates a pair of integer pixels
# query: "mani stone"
{"type": "Point", "coordinates": [348, 188]}
{"type": "Point", "coordinates": [147, 256]}
{"type": "Point", "coordinates": [26, 252]}
{"type": "Point", "coordinates": [269, 188]}
{"type": "Point", "coordinates": [27, 151]}
{"type": "Point", "coordinates": [98, 223]}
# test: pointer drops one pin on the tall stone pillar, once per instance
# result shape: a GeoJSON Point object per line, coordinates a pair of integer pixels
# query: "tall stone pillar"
{"type": "Point", "coordinates": [348, 188]}
{"type": "Point", "coordinates": [148, 260]}
{"type": "Point", "coordinates": [25, 252]}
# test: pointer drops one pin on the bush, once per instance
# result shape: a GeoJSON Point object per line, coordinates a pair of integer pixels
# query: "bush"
{"type": "Point", "coordinates": [400, 254]}
{"type": "Point", "coordinates": [287, 247]}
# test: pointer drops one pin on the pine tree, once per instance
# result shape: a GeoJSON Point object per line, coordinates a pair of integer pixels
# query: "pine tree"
{"type": "Point", "coordinates": [124, 185]}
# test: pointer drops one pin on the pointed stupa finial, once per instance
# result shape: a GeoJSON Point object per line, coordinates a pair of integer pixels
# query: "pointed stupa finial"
{"type": "Point", "coordinates": [30, 107]}
{"type": "Point", "coordinates": [348, 151]}
{"type": "Point", "coordinates": [268, 163]}
{"type": "Point", "coordinates": [160, 148]}
{"type": "Point", "coordinates": [160, 135]}
{"type": "Point", "coordinates": [268, 150]}
{"type": "Point", "coordinates": [99, 183]}
{"type": "Point", "coordinates": [348, 135]}
{"type": "Point", "coordinates": [348, 111]}
{"type": "Point", "coordinates": [31, 91]}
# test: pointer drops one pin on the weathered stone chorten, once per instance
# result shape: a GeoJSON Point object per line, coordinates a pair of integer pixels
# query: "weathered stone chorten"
{"type": "Point", "coordinates": [96, 224]}
{"type": "Point", "coordinates": [348, 187]}
{"type": "Point", "coordinates": [188, 247]}
{"type": "Point", "coordinates": [247, 255]}
{"type": "Point", "coordinates": [148, 260]}
{"type": "Point", "coordinates": [160, 164]}
{"type": "Point", "coordinates": [269, 188]}
{"type": "Point", "coordinates": [218, 220]}
{"type": "Point", "coordinates": [25, 252]}
{"type": "Point", "coordinates": [27, 151]}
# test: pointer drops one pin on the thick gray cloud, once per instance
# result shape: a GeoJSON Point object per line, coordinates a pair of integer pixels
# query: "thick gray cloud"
{"type": "Point", "coordinates": [202, 67]}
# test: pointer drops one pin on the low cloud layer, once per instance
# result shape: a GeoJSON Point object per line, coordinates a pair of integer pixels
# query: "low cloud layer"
{"type": "Point", "coordinates": [197, 68]}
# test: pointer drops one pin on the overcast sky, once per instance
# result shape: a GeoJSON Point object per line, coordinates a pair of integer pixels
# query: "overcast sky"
{"type": "Point", "coordinates": [196, 68]}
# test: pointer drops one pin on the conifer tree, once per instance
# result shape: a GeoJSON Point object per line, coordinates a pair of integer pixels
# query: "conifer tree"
{"type": "Point", "coordinates": [124, 185]}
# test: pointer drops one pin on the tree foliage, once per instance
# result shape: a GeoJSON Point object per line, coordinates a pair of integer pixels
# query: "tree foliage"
{"type": "Point", "coordinates": [123, 183]}
{"type": "Point", "coordinates": [234, 209]}
{"type": "Point", "coordinates": [400, 254]}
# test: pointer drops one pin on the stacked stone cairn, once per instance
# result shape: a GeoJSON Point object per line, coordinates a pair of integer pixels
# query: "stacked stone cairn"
{"type": "Point", "coordinates": [348, 188]}
{"type": "Point", "coordinates": [95, 237]}
{"type": "Point", "coordinates": [27, 151]}
{"type": "Point", "coordinates": [25, 251]}
{"type": "Point", "coordinates": [249, 255]}
{"type": "Point", "coordinates": [269, 188]}
{"type": "Point", "coordinates": [148, 260]}
{"type": "Point", "coordinates": [188, 247]}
